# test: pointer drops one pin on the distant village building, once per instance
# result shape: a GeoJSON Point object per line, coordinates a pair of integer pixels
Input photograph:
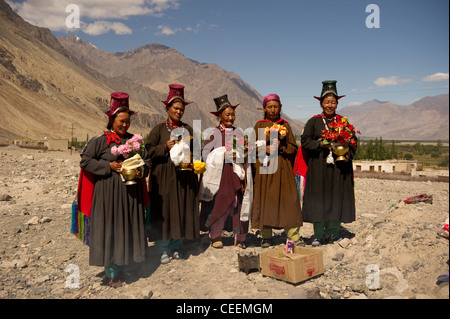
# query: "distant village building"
{"type": "Point", "coordinates": [29, 142]}
{"type": "Point", "coordinates": [57, 144]}
{"type": "Point", "coordinates": [392, 166]}
{"type": "Point", "coordinates": [50, 144]}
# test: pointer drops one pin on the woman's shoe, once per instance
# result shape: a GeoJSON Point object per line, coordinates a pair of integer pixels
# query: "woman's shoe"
{"type": "Point", "coordinates": [165, 258]}
{"type": "Point", "coordinates": [300, 242]}
{"type": "Point", "coordinates": [266, 243]}
{"type": "Point", "coordinates": [317, 242]}
{"type": "Point", "coordinates": [177, 255]}
{"type": "Point", "coordinates": [115, 283]}
{"type": "Point", "coordinates": [239, 244]}
{"type": "Point", "coordinates": [217, 243]}
{"type": "Point", "coordinates": [333, 239]}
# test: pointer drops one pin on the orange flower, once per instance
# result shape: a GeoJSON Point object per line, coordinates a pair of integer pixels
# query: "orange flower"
{"type": "Point", "coordinates": [282, 130]}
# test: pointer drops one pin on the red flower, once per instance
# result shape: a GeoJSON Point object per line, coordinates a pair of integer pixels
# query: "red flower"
{"type": "Point", "coordinates": [341, 132]}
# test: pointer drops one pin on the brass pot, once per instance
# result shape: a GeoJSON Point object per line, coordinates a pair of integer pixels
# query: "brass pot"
{"type": "Point", "coordinates": [340, 151]}
{"type": "Point", "coordinates": [129, 175]}
{"type": "Point", "coordinates": [184, 167]}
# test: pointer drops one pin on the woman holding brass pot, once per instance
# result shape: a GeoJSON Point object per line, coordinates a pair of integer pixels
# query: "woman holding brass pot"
{"type": "Point", "coordinates": [117, 234]}
{"type": "Point", "coordinates": [329, 197]}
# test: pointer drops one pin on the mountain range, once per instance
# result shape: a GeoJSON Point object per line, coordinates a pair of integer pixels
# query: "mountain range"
{"type": "Point", "coordinates": [425, 119]}
{"type": "Point", "coordinates": [57, 88]}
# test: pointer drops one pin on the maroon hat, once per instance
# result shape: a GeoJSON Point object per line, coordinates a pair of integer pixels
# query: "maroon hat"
{"type": "Point", "coordinates": [176, 91]}
{"type": "Point", "coordinates": [118, 100]}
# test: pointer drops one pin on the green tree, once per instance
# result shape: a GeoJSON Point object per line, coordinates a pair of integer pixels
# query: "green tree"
{"type": "Point", "coordinates": [408, 156]}
{"type": "Point", "coordinates": [370, 151]}
{"type": "Point", "coordinates": [393, 153]}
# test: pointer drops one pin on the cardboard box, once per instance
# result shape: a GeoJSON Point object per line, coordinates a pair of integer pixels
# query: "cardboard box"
{"type": "Point", "coordinates": [301, 265]}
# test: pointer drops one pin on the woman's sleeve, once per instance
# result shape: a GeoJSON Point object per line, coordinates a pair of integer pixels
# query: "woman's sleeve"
{"type": "Point", "coordinates": [147, 160]}
{"type": "Point", "coordinates": [153, 146]}
{"type": "Point", "coordinates": [91, 159]}
{"type": "Point", "coordinates": [308, 138]}
{"type": "Point", "coordinates": [352, 149]}
{"type": "Point", "coordinates": [290, 147]}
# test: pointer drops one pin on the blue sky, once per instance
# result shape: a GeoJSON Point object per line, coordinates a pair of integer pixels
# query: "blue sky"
{"type": "Point", "coordinates": [286, 47]}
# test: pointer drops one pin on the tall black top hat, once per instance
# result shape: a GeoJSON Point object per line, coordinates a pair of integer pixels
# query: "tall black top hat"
{"type": "Point", "coordinates": [222, 103]}
{"type": "Point", "coordinates": [328, 87]}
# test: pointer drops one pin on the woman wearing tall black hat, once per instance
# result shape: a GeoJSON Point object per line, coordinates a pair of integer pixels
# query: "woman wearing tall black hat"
{"type": "Point", "coordinates": [329, 197]}
{"type": "Point", "coordinates": [174, 212]}
{"type": "Point", "coordinates": [110, 214]}
{"type": "Point", "coordinates": [227, 180]}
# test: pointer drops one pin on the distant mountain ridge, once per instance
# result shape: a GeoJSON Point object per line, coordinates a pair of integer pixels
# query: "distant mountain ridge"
{"type": "Point", "coordinates": [155, 66]}
{"type": "Point", "coordinates": [425, 119]}
{"type": "Point", "coordinates": [48, 86]}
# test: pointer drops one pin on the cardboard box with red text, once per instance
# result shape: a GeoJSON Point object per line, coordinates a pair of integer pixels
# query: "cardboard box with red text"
{"type": "Point", "coordinates": [301, 265]}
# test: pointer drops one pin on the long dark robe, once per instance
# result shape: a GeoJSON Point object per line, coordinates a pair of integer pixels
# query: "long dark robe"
{"type": "Point", "coordinates": [117, 233]}
{"type": "Point", "coordinates": [276, 202]}
{"type": "Point", "coordinates": [174, 212]}
{"type": "Point", "coordinates": [230, 187]}
{"type": "Point", "coordinates": [329, 189]}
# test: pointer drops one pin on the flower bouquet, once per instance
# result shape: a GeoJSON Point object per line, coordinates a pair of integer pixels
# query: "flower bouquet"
{"type": "Point", "coordinates": [199, 167]}
{"type": "Point", "coordinates": [237, 147]}
{"type": "Point", "coordinates": [237, 144]}
{"type": "Point", "coordinates": [340, 134]}
{"type": "Point", "coordinates": [133, 160]}
{"type": "Point", "coordinates": [280, 129]}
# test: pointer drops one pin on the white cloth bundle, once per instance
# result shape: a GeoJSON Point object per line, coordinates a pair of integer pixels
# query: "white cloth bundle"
{"type": "Point", "coordinates": [180, 153]}
{"type": "Point", "coordinates": [211, 178]}
{"type": "Point", "coordinates": [132, 163]}
{"type": "Point", "coordinates": [210, 183]}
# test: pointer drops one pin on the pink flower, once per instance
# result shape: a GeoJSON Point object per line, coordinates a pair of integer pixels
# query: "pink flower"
{"type": "Point", "coordinates": [138, 138]}
{"type": "Point", "coordinates": [115, 150]}
{"type": "Point", "coordinates": [133, 145]}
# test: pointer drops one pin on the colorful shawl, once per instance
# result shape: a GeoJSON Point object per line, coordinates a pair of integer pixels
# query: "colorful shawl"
{"type": "Point", "coordinates": [423, 198]}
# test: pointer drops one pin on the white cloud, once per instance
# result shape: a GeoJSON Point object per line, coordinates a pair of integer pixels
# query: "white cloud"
{"type": "Point", "coordinates": [392, 80]}
{"type": "Point", "coordinates": [52, 13]}
{"type": "Point", "coordinates": [354, 104]}
{"type": "Point", "coordinates": [436, 77]}
{"type": "Point", "coordinates": [101, 27]}
{"type": "Point", "coordinates": [166, 30]}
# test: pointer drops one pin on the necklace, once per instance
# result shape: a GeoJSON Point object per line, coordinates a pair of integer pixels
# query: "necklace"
{"type": "Point", "coordinates": [325, 122]}
{"type": "Point", "coordinates": [227, 131]}
{"type": "Point", "coordinates": [334, 119]}
{"type": "Point", "coordinates": [171, 128]}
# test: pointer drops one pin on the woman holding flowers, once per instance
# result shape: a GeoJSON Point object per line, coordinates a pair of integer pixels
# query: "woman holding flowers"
{"type": "Point", "coordinates": [174, 213]}
{"type": "Point", "coordinates": [116, 227]}
{"type": "Point", "coordinates": [276, 202]}
{"type": "Point", "coordinates": [227, 179]}
{"type": "Point", "coordinates": [329, 190]}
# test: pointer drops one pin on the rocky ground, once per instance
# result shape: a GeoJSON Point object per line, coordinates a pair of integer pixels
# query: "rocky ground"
{"type": "Point", "coordinates": [40, 259]}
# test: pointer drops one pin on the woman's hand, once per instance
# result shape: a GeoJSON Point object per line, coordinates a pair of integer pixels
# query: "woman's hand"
{"type": "Point", "coordinates": [347, 157]}
{"type": "Point", "coordinates": [169, 144]}
{"type": "Point", "coordinates": [273, 147]}
{"type": "Point", "coordinates": [116, 166]}
{"type": "Point", "coordinates": [324, 145]}
{"type": "Point", "coordinates": [140, 173]}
